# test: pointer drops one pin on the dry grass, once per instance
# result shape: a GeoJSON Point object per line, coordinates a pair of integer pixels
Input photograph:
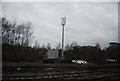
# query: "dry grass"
{"type": "Point", "coordinates": [37, 64]}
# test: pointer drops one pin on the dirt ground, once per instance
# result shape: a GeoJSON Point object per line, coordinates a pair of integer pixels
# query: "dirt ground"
{"type": "Point", "coordinates": [59, 72]}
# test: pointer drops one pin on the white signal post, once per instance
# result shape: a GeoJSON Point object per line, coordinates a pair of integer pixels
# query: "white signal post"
{"type": "Point", "coordinates": [63, 22]}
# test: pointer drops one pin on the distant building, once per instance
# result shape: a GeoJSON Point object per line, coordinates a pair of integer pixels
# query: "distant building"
{"type": "Point", "coordinates": [52, 55]}
{"type": "Point", "coordinates": [114, 45]}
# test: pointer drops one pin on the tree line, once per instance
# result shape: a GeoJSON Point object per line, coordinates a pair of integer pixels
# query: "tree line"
{"type": "Point", "coordinates": [14, 34]}
{"type": "Point", "coordinates": [16, 39]}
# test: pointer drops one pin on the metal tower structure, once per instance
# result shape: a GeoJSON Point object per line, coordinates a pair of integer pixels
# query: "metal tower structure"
{"type": "Point", "coordinates": [63, 22]}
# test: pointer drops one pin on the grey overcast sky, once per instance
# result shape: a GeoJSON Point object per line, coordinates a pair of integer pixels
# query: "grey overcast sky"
{"type": "Point", "coordinates": [87, 22]}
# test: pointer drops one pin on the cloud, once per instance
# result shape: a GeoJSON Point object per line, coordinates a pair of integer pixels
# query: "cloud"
{"type": "Point", "coordinates": [87, 22]}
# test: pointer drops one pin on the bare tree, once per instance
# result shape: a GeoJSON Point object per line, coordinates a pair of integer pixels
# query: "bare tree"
{"type": "Point", "coordinates": [72, 45]}
{"type": "Point", "coordinates": [67, 47]}
{"type": "Point", "coordinates": [6, 30]}
{"type": "Point", "coordinates": [97, 45]}
{"type": "Point", "coordinates": [16, 34]}
{"type": "Point", "coordinates": [58, 46]}
{"type": "Point", "coordinates": [36, 45]}
{"type": "Point", "coordinates": [48, 46]}
{"type": "Point", "coordinates": [43, 46]}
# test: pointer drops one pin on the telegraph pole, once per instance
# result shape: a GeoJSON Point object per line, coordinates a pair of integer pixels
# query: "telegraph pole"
{"type": "Point", "coordinates": [63, 22]}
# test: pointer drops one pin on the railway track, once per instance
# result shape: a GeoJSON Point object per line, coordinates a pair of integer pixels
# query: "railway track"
{"type": "Point", "coordinates": [59, 74]}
